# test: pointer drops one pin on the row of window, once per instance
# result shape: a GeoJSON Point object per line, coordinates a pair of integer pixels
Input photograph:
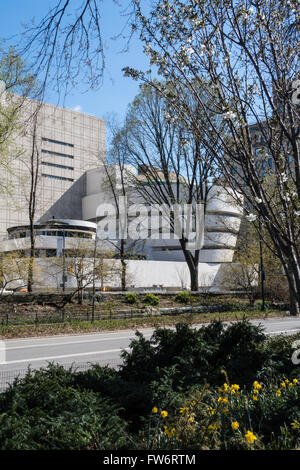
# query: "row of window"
{"type": "Point", "coordinates": [54, 233]}
{"type": "Point", "coordinates": [55, 165]}
{"type": "Point", "coordinates": [57, 154]}
{"type": "Point", "coordinates": [52, 141]}
{"type": "Point", "coordinates": [61, 178]}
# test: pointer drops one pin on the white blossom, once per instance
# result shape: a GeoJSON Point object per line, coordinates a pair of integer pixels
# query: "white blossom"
{"type": "Point", "coordinates": [258, 200]}
{"type": "Point", "coordinates": [251, 217]}
{"type": "Point", "coordinates": [229, 115]}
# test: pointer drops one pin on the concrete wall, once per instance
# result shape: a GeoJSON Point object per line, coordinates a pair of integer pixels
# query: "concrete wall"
{"type": "Point", "coordinates": [68, 144]}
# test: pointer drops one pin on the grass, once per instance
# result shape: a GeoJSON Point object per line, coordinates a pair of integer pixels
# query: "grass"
{"type": "Point", "coordinates": [77, 327]}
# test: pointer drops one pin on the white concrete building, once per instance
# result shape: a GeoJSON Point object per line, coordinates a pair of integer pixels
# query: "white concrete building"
{"type": "Point", "coordinates": [67, 144]}
{"type": "Point", "coordinates": [72, 183]}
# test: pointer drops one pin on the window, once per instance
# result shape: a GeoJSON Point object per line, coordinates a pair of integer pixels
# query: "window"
{"type": "Point", "coordinates": [55, 165]}
{"type": "Point", "coordinates": [50, 253]}
{"type": "Point", "coordinates": [52, 141]}
{"type": "Point", "coordinates": [62, 178]}
{"type": "Point", "coordinates": [58, 154]}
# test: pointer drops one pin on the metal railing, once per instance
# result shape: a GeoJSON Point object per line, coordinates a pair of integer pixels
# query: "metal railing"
{"type": "Point", "coordinates": [81, 314]}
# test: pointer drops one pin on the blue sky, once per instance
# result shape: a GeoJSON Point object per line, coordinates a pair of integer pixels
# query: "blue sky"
{"type": "Point", "coordinates": [117, 91]}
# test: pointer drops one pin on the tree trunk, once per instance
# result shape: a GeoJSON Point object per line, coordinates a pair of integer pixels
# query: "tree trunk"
{"type": "Point", "coordinates": [294, 290]}
{"type": "Point", "coordinates": [194, 278]}
{"type": "Point", "coordinates": [123, 275]}
{"type": "Point", "coordinates": [31, 260]}
{"type": "Point", "coordinates": [294, 303]}
{"type": "Point", "coordinates": [192, 262]}
{"type": "Point", "coordinates": [123, 265]}
{"type": "Point", "coordinates": [193, 269]}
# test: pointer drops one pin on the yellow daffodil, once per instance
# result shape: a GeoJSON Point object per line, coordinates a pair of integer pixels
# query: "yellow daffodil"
{"type": "Point", "coordinates": [234, 388]}
{"type": "Point", "coordinates": [251, 438]}
{"type": "Point", "coordinates": [257, 385]}
{"type": "Point", "coordinates": [169, 432]}
{"type": "Point", "coordinates": [235, 425]}
{"type": "Point", "coordinates": [278, 393]}
{"type": "Point", "coordinates": [295, 425]}
{"type": "Point", "coordinates": [222, 400]}
{"type": "Point", "coordinates": [164, 414]}
{"type": "Point", "coordinates": [154, 410]}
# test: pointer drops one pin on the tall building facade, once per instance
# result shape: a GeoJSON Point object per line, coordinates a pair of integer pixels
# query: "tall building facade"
{"type": "Point", "coordinates": [66, 143]}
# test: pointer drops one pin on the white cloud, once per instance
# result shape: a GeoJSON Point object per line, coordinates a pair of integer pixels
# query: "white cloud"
{"type": "Point", "coordinates": [78, 108]}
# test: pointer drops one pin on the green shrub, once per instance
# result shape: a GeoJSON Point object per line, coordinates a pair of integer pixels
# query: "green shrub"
{"type": "Point", "coordinates": [198, 354]}
{"type": "Point", "coordinates": [180, 371]}
{"type": "Point", "coordinates": [131, 298]}
{"type": "Point", "coordinates": [151, 299]}
{"type": "Point", "coordinates": [46, 411]}
{"type": "Point", "coordinates": [183, 297]}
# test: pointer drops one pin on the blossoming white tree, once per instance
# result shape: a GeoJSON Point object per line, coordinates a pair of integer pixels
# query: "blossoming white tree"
{"type": "Point", "coordinates": [244, 54]}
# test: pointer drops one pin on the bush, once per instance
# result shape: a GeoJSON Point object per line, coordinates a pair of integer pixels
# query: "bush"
{"type": "Point", "coordinates": [151, 299]}
{"type": "Point", "coordinates": [198, 354]}
{"type": "Point", "coordinates": [46, 411]}
{"type": "Point", "coordinates": [180, 371]}
{"type": "Point", "coordinates": [131, 298]}
{"type": "Point", "coordinates": [183, 297]}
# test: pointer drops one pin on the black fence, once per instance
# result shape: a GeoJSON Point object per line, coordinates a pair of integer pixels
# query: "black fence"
{"type": "Point", "coordinates": [79, 314]}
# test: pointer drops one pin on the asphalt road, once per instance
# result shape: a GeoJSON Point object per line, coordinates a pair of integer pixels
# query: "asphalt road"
{"type": "Point", "coordinates": [82, 350]}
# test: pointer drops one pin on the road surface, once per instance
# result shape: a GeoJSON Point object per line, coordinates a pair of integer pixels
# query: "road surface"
{"type": "Point", "coordinates": [82, 350]}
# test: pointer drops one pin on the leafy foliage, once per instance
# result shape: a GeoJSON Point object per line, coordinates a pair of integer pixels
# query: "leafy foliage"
{"type": "Point", "coordinates": [183, 297]}
{"type": "Point", "coordinates": [46, 410]}
{"type": "Point", "coordinates": [131, 298]}
{"type": "Point", "coordinates": [181, 369]}
{"type": "Point", "coordinates": [199, 355]}
{"type": "Point", "coordinates": [151, 299]}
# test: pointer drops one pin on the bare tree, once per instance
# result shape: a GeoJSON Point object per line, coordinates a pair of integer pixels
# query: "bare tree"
{"type": "Point", "coordinates": [89, 265]}
{"type": "Point", "coordinates": [13, 272]}
{"type": "Point", "coordinates": [174, 168]}
{"type": "Point", "coordinates": [66, 47]}
{"type": "Point", "coordinates": [118, 184]}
